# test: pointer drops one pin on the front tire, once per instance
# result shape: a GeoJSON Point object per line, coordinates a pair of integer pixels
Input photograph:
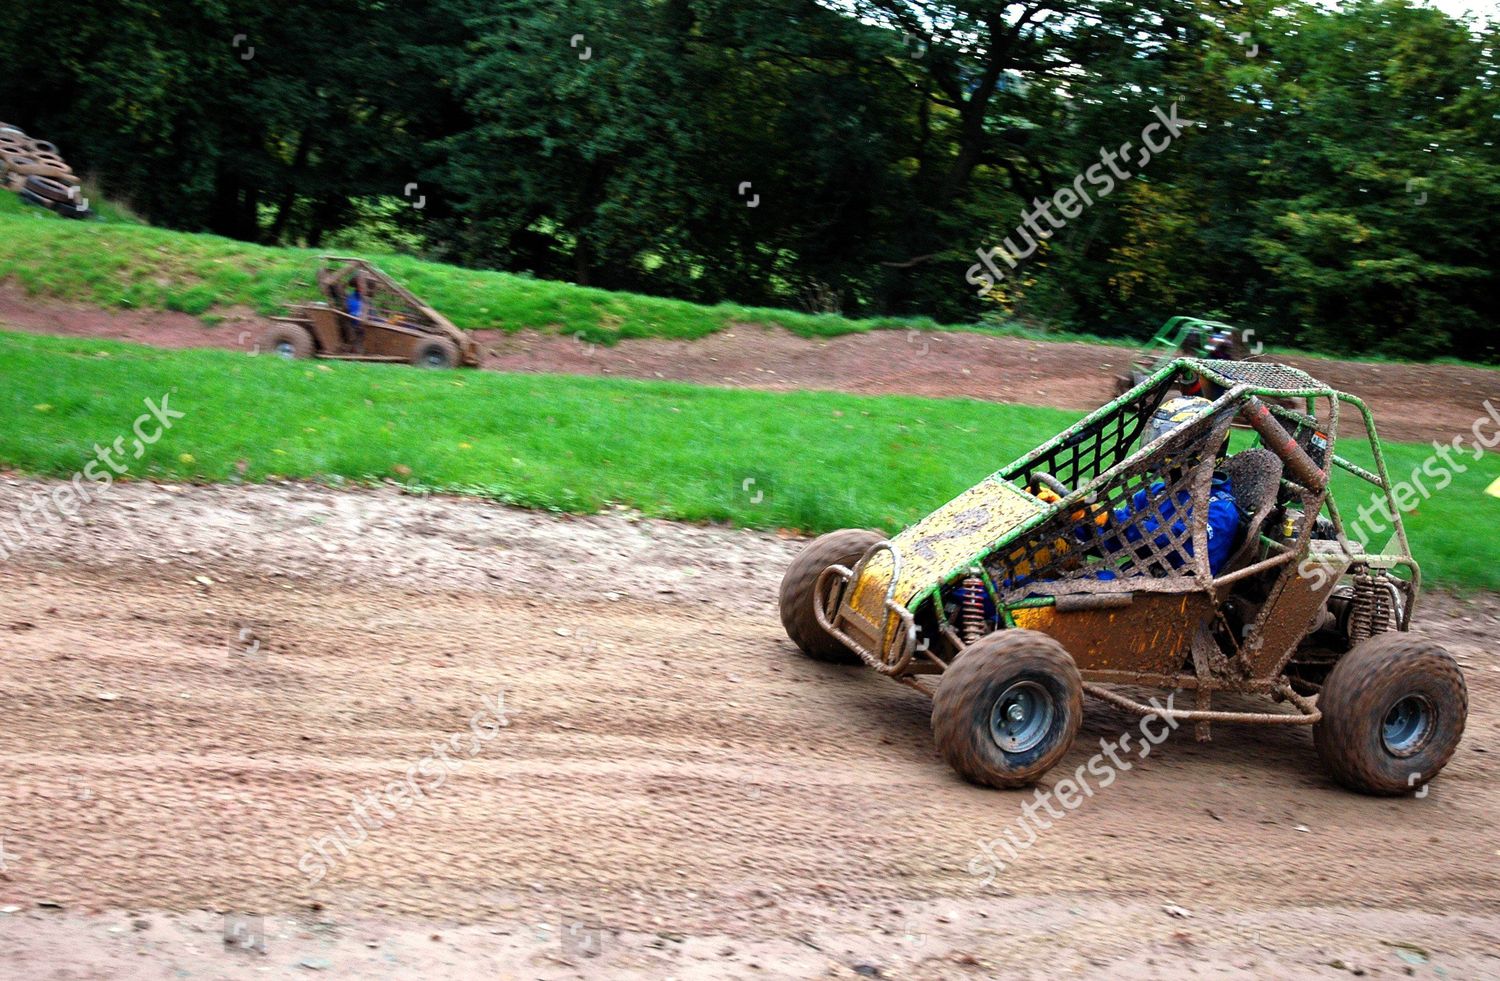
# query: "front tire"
{"type": "Point", "coordinates": [1008, 708]}
{"type": "Point", "coordinates": [844, 548]}
{"type": "Point", "coordinates": [289, 341]}
{"type": "Point", "coordinates": [1394, 710]}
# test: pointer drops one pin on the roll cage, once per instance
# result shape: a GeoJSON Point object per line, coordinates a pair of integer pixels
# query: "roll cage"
{"type": "Point", "coordinates": [1075, 553]}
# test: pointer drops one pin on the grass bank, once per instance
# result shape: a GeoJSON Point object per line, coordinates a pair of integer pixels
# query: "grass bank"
{"type": "Point", "coordinates": [812, 461]}
{"type": "Point", "coordinates": [124, 264]}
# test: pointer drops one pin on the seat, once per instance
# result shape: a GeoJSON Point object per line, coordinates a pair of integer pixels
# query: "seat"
{"type": "Point", "coordinates": [1255, 476]}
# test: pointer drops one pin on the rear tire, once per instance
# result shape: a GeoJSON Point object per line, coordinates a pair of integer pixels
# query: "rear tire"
{"type": "Point", "coordinates": [844, 548]}
{"type": "Point", "coordinates": [289, 341]}
{"type": "Point", "coordinates": [1394, 710]}
{"type": "Point", "coordinates": [1008, 708]}
{"type": "Point", "coordinates": [435, 352]}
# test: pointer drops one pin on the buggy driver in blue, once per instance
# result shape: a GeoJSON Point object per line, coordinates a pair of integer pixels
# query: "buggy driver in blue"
{"type": "Point", "coordinates": [1224, 515]}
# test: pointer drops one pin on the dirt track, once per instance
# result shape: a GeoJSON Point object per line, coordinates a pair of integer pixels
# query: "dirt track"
{"type": "Point", "coordinates": [674, 775]}
{"type": "Point", "coordinates": [1411, 402]}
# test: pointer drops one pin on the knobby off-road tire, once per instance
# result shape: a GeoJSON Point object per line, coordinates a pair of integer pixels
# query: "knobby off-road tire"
{"type": "Point", "coordinates": [1394, 709]}
{"type": "Point", "coordinates": [287, 341]}
{"type": "Point", "coordinates": [844, 548]}
{"type": "Point", "coordinates": [435, 352]}
{"type": "Point", "coordinates": [1020, 671]}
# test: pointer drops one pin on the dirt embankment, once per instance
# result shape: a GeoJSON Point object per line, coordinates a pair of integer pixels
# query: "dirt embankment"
{"type": "Point", "coordinates": [1411, 402]}
{"type": "Point", "coordinates": [198, 683]}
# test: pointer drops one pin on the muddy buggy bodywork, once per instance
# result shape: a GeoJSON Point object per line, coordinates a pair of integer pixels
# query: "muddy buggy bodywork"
{"type": "Point", "coordinates": [393, 326]}
{"type": "Point", "coordinates": [1061, 574]}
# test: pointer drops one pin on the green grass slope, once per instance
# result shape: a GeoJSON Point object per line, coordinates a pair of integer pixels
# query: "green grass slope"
{"type": "Point", "coordinates": [122, 264]}
{"type": "Point", "coordinates": [810, 461]}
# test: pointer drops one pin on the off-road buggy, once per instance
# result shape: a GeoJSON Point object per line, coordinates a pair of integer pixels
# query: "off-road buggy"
{"type": "Point", "coordinates": [391, 325]}
{"type": "Point", "coordinates": [1062, 575]}
{"type": "Point", "coordinates": [1184, 337]}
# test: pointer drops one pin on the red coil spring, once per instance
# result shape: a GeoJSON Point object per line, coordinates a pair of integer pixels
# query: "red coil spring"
{"type": "Point", "coordinates": [971, 613]}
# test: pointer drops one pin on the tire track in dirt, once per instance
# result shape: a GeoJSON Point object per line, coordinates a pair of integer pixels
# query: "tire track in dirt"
{"type": "Point", "coordinates": [672, 765]}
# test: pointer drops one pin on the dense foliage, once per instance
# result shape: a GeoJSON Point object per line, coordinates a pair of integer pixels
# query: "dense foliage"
{"type": "Point", "coordinates": [849, 155]}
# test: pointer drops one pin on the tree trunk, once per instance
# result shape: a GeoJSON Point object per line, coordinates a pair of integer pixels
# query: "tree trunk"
{"type": "Point", "coordinates": [289, 192]}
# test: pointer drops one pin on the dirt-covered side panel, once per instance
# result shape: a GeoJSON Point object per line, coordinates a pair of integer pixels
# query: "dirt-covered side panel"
{"type": "Point", "coordinates": [1153, 634]}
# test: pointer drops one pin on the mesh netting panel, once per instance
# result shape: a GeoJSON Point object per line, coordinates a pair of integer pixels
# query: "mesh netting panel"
{"type": "Point", "coordinates": [1137, 522]}
{"type": "Point", "coordinates": [1077, 459]}
{"type": "Point", "coordinates": [1263, 374]}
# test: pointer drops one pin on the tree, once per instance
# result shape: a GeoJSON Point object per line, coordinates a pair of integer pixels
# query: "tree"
{"type": "Point", "coordinates": [842, 154]}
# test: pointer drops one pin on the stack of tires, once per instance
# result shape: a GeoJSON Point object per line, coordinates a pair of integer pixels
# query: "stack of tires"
{"type": "Point", "coordinates": [35, 171]}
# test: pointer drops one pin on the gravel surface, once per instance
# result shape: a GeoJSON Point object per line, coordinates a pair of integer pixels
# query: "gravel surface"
{"type": "Point", "coordinates": [199, 683]}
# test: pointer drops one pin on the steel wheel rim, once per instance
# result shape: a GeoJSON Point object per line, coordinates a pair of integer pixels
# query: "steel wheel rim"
{"type": "Point", "coordinates": [1408, 725]}
{"type": "Point", "coordinates": [435, 359]}
{"type": "Point", "coordinates": [286, 349]}
{"type": "Point", "coordinates": [1021, 717]}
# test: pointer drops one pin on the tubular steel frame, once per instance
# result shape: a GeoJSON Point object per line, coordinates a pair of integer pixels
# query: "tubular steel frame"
{"type": "Point", "coordinates": [417, 321]}
{"type": "Point", "coordinates": [1245, 384]}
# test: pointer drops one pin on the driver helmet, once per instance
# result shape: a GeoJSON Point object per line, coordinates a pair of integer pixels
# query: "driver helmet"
{"type": "Point", "coordinates": [1175, 413]}
{"type": "Point", "coordinates": [1220, 345]}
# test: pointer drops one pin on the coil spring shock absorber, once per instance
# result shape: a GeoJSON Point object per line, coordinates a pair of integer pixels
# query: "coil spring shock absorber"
{"type": "Point", "coordinates": [1373, 607]}
{"type": "Point", "coordinates": [971, 610]}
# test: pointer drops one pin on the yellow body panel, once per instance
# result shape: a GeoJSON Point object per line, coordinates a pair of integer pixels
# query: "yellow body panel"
{"type": "Point", "coordinates": [967, 525]}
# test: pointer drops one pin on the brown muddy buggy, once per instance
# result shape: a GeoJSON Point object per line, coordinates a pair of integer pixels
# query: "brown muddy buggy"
{"type": "Point", "coordinates": [393, 325]}
{"type": "Point", "coordinates": [1062, 575]}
